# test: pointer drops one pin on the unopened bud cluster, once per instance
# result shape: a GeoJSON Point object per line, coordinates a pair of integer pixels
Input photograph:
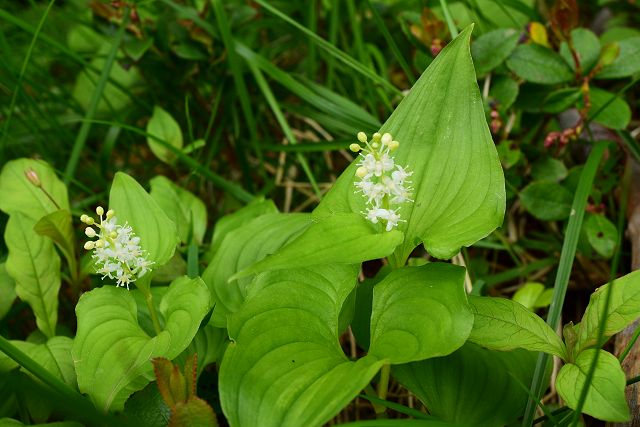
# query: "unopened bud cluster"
{"type": "Point", "coordinates": [117, 252]}
{"type": "Point", "coordinates": [383, 183]}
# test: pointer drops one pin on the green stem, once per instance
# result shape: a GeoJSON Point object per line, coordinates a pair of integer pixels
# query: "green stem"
{"type": "Point", "coordinates": [629, 346]}
{"type": "Point", "coordinates": [447, 16]}
{"type": "Point", "coordinates": [148, 298]}
{"type": "Point", "coordinates": [383, 385]}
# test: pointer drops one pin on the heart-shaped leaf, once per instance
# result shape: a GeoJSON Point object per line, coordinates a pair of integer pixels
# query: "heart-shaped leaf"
{"type": "Point", "coordinates": [242, 247]}
{"type": "Point", "coordinates": [624, 309]}
{"type": "Point", "coordinates": [472, 386]}
{"type": "Point", "coordinates": [286, 366]}
{"type": "Point", "coordinates": [444, 140]}
{"type": "Point", "coordinates": [186, 210]}
{"type": "Point", "coordinates": [35, 266]}
{"type": "Point", "coordinates": [420, 312]}
{"type": "Point", "coordinates": [502, 324]}
{"type": "Point", "coordinates": [164, 127]}
{"type": "Point", "coordinates": [605, 399]}
{"type": "Point", "coordinates": [132, 204]}
{"type": "Point", "coordinates": [339, 238]}
{"type": "Point", "coordinates": [19, 194]}
{"type": "Point", "coordinates": [7, 290]}
{"type": "Point", "coordinates": [57, 226]}
{"type": "Point", "coordinates": [112, 353]}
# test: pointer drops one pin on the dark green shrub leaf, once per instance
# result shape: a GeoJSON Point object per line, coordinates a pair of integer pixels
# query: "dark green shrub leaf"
{"type": "Point", "coordinates": [548, 169]}
{"type": "Point", "coordinates": [605, 399]}
{"type": "Point", "coordinates": [419, 313]}
{"type": "Point", "coordinates": [504, 90]}
{"type": "Point", "coordinates": [538, 64]}
{"type": "Point", "coordinates": [602, 235]}
{"type": "Point", "coordinates": [616, 115]}
{"type": "Point", "coordinates": [472, 386]}
{"type": "Point", "coordinates": [502, 324]}
{"type": "Point", "coordinates": [547, 201]}
{"type": "Point", "coordinates": [509, 153]}
{"type": "Point", "coordinates": [587, 46]}
{"type": "Point", "coordinates": [627, 63]}
{"type": "Point", "coordinates": [561, 100]}
{"type": "Point", "coordinates": [492, 48]}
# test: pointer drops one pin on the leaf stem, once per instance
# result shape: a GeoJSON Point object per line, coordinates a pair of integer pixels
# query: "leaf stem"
{"type": "Point", "coordinates": [383, 386]}
{"type": "Point", "coordinates": [148, 298]}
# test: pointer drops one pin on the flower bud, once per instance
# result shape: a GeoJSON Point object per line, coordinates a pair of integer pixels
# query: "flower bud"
{"type": "Point", "coordinates": [386, 138]}
{"type": "Point", "coordinates": [355, 147]}
{"type": "Point", "coordinates": [361, 172]}
{"type": "Point", "coordinates": [89, 245]}
{"type": "Point", "coordinates": [113, 234]}
{"type": "Point", "coordinates": [90, 232]}
{"type": "Point", "coordinates": [376, 136]}
{"type": "Point", "coordinates": [393, 145]}
{"type": "Point", "coordinates": [84, 218]}
{"type": "Point", "coordinates": [362, 137]}
{"type": "Point", "coordinates": [99, 243]}
{"type": "Point", "coordinates": [100, 211]}
{"type": "Point", "coordinates": [32, 177]}
{"type": "Point", "coordinates": [110, 213]}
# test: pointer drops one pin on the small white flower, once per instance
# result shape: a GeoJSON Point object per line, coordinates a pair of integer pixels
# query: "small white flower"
{"type": "Point", "coordinates": [383, 183]}
{"type": "Point", "coordinates": [117, 252]}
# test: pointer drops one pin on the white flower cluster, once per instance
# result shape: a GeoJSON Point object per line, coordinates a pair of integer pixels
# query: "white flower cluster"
{"type": "Point", "coordinates": [117, 252]}
{"type": "Point", "coordinates": [382, 181]}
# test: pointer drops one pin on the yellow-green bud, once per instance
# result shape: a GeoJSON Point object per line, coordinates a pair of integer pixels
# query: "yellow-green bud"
{"type": "Point", "coordinates": [100, 211]}
{"type": "Point", "coordinates": [393, 145]}
{"type": "Point", "coordinates": [386, 139]}
{"type": "Point", "coordinates": [376, 136]}
{"type": "Point", "coordinates": [99, 243]}
{"type": "Point", "coordinates": [110, 213]}
{"type": "Point", "coordinates": [375, 145]}
{"type": "Point", "coordinates": [355, 147]}
{"type": "Point", "coordinates": [89, 245]}
{"type": "Point", "coordinates": [90, 232]}
{"type": "Point", "coordinates": [113, 234]}
{"type": "Point", "coordinates": [362, 137]}
{"type": "Point", "coordinates": [361, 172]}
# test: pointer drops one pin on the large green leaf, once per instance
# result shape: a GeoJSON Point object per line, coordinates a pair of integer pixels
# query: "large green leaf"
{"type": "Point", "coordinates": [185, 209]}
{"type": "Point", "coordinates": [605, 399]}
{"type": "Point", "coordinates": [444, 140]}
{"type": "Point", "coordinates": [339, 238]}
{"type": "Point", "coordinates": [7, 290]}
{"type": "Point", "coordinates": [492, 48]}
{"type": "Point", "coordinates": [285, 366]}
{"type": "Point", "coordinates": [617, 113]}
{"type": "Point", "coordinates": [132, 204]}
{"type": "Point", "coordinates": [58, 227]}
{"type": "Point", "coordinates": [165, 128]}
{"type": "Point", "coordinates": [502, 324]}
{"type": "Point", "coordinates": [420, 312]}
{"type": "Point", "coordinates": [209, 344]}
{"type": "Point", "coordinates": [587, 46]}
{"type": "Point", "coordinates": [239, 249]}
{"type": "Point", "coordinates": [472, 386]}
{"type": "Point", "coordinates": [112, 353]}
{"type": "Point", "coordinates": [35, 266]}
{"type": "Point", "coordinates": [624, 309]}
{"type": "Point", "coordinates": [18, 194]}
{"type": "Point", "coordinates": [539, 64]}
{"type": "Point", "coordinates": [627, 63]}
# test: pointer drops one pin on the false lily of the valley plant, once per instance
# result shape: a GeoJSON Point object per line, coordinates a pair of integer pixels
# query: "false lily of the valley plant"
{"type": "Point", "coordinates": [280, 289]}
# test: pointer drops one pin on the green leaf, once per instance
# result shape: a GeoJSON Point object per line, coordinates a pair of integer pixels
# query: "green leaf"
{"type": "Point", "coordinates": [605, 399]}
{"type": "Point", "coordinates": [209, 344]}
{"type": "Point", "coordinates": [112, 353]}
{"type": "Point", "coordinates": [146, 408]}
{"type": "Point", "coordinates": [533, 295]}
{"type": "Point", "coordinates": [602, 235]}
{"type": "Point", "coordinates": [547, 201]}
{"type": "Point", "coordinates": [492, 48]}
{"type": "Point", "coordinates": [18, 194]}
{"type": "Point", "coordinates": [285, 366]}
{"type": "Point", "coordinates": [538, 64]}
{"type": "Point", "coordinates": [561, 100]}
{"type": "Point", "coordinates": [239, 249]}
{"type": "Point", "coordinates": [624, 309]}
{"type": "Point", "coordinates": [509, 153]}
{"type": "Point", "coordinates": [616, 115]}
{"type": "Point", "coordinates": [237, 219]}
{"type": "Point", "coordinates": [419, 313]}
{"type": "Point", "coordinates": [627, 63]}
{"type": "Point", "coordinates": [35, 266]}
{"type": "Point", "coordinates": [587, 46]}
{"type": "Point", "coordinates": [504, 90]}
{"type": "Point", "coordinates": [7, 290]}
{"type": "Point", "coordinates": [340, 238]}
{"type": "Point", "coordinates": [502, 324]}
{"type": "Point", "coordinates": [549, 169]}
{"type": "Point", "coordinates": [444, 140]}
{"type": "Point", "coordinates": [132, 204]}
{"type": "Point", "coordinates": [165, 128]}
{"type": "Point", "coordinates": [472, 386]}
{"type": "Point", "coordinates": [185, 209]}
{"type": "Point", "coordinates": [58, 227]}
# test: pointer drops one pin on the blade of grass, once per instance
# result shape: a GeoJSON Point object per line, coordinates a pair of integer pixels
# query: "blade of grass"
{"type": "Point", "coordinates": [275, 108]}
{"type": "Point", "coordinates": [83, 133]}
{"type": "Point", "coordinates": [447, 17]}
{"type": "Point", "coordinates": [216, 179]}
{"type": "Point", "coordinates": [312, 56]}
{"type": "Point", "coordinates": [23, 69]}
{"type": "Point", "coordinates": [243, 93]}
{"type": "Point", "coordinates": [392, 44]}
{"type": "Point", "coordinates": [564, 269]}
{"type": "Point", "coordinates": [397, 407]}
{"type": "Point", "coordinates": [333, 40]}
{"type": "Point", "coordinates": [332, 50]}
{"type": "Point", "coordinates": [600, 338]}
